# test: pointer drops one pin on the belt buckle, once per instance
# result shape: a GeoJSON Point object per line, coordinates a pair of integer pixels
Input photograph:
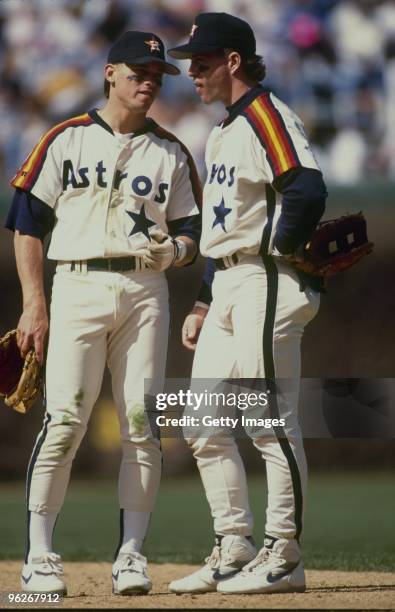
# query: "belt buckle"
{"type": "Point", "coordinates": [109, 265]}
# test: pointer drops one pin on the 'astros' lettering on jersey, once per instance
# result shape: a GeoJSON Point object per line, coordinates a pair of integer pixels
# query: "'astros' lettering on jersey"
{"type": "Point", "coordinates": [108, 190]}
{"type": "Point", "coordinates": [261, 139]}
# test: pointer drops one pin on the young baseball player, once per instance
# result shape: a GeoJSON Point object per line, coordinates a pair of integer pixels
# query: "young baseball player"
{"type": "Point", "coordinates": [121, 196]}
{"type": "Point", "coordinates": [263, 197]}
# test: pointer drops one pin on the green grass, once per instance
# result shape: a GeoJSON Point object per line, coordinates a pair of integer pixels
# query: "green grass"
{"type": "Point", "coordinates": [348, 523]}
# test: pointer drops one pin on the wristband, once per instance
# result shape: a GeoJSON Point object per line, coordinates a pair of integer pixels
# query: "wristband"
{"type": "Point", "coordinates": [201, 305]}
{"type": "Point", "coordinates": [180, 250]}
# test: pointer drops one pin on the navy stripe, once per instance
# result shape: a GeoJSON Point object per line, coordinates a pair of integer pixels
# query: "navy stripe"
{"type": "Point", "coordinates": [27, 551]}
{"type": "Point", "coordinates": [33, 459]}
{"type": "Point", "coordinates": [121, 532]}
{"type": "Point", "coordinates": [267, 230]}
{"type": "Point", "coordinates": [193, 174]}
{"type": "Point", "coordinates": [270, 376]}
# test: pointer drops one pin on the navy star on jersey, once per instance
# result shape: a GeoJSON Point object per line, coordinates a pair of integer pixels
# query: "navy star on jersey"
{"type": "Point", "coordinates": [141, 223]}
{"type": "Point", "coordinates": [220, 213]}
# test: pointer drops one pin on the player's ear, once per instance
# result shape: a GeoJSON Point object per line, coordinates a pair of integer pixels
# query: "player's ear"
{"type": "Point", "coordinates": [109, 72]}
{"type": "Point", "coordinates": [234, 62]}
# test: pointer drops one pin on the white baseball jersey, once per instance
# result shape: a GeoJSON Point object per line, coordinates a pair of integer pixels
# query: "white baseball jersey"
{"type": "Point", "coordinates": [108, 191]}
{"type": "Point", "coordinates": [244, 155]}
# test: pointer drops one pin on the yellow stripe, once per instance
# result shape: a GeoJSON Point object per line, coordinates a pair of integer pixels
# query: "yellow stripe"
{"type": "Point", "coordinates": [29, 163]}
{"type": "Point", "coordinates": [263, 114]}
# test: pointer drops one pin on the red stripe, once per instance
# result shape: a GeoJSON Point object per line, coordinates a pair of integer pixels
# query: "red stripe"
{"type": "Point", "coordinates": [269, 146]}
{"type": "Point", "coordinates": [44, 145]}
{"type": "Point", "coordinates": [282, 133]}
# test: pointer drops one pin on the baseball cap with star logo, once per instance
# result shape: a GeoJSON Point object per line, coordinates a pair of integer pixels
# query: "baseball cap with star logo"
{"type": "Point", "coordinates": [140, 48]}
{"type": "Point", "coordinates": [214, 31]}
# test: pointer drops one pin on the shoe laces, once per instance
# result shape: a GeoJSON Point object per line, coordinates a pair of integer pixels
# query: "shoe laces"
{"type": "Point", "coordinates": [214, 559]}
{"type": "Point", "coordinates": [262, 557]}
{"type": "Point", "coordinates": [49, 564]}
{"type": "Point", "coordinates": [133, 562]}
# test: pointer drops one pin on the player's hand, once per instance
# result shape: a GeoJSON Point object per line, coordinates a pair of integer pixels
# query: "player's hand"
{"type": "Point", "coordinates": [192, 327]}
{"type": "Point", "coordinates": [32, 329]}
{"type": "Point", "coordinates": [160, 253]}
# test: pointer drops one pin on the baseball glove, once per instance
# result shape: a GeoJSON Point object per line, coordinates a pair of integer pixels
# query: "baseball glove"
{"type": "Point", "coordinates": [20, 378]}
{"type": "Point", "coordinates": [335, 246]}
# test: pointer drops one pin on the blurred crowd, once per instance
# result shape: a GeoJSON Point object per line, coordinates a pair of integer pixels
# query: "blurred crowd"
{"type": "Point", "coordinates": [333, 61]}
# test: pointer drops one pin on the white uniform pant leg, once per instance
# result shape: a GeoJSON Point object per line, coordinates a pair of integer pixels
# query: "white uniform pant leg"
{"type": "Point", "coordinates": [137, 351]}
{"type": "Point", "coordinates": [287, 310]}
{"type": "Point", "coordinates": [218, 459]}
{"type": "Point", "coordinates": [79, 319]}
{"type": "Point", "coordinates": [267, 314]}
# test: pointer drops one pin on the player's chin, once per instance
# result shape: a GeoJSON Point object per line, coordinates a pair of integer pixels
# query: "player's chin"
{"type": "Point", "coordinates": [204, 96]}
{"type": "Point", "coordinates": [142, 103]}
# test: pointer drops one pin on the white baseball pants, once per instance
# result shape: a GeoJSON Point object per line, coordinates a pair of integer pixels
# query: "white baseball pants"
{"type": "Point", "coordinates": [99, 316]}
{"type": "Point", "coordinates": [253, 330]}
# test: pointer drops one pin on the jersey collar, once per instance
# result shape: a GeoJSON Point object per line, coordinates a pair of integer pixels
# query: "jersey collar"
{"type": "Point", "coordinates": [237, 107]}
{"type": "Point", "coordinates": [148, 127]}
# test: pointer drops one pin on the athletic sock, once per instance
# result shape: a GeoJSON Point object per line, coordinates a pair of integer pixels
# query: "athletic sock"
{"type": "Point", "coordinates": [134, 526]}
{"type": "Point", "coordinates": [41, 528]}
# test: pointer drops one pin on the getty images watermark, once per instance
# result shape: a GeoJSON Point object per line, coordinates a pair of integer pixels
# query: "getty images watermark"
{"type": "Point", "coordinates": [319, 407]}
{"type": "Point", "coordinates": [206, 401]}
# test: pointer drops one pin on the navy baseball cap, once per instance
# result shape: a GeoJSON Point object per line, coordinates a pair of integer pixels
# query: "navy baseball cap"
{"type": "Point", "coordinates": [140, 48]}
{"type": "Point", "coordinates": [214, 31]}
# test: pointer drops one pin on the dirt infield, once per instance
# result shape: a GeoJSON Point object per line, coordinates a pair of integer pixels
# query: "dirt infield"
{"type": "Point", "coordinates": [89, 587]}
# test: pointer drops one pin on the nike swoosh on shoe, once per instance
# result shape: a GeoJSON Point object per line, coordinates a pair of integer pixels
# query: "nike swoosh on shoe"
{"type": "Point", "coordinates": [218, 576]}
{"type": "Point", "coordinates": [26, 580]}
{"type": "Point", "coordinates": [273, 578]}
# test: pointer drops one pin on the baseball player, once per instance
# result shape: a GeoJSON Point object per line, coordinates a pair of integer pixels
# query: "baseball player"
{"type": "Point", "coordinates": [121, 196]}
{"type": "Point", "coordinates": [263, 197]}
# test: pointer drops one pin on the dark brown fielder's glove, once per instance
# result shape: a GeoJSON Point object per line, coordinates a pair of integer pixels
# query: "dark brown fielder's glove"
{"type": "Point", "coordinates": [20, 378]}
{"type": "Point", "coordinates": [334, 246]}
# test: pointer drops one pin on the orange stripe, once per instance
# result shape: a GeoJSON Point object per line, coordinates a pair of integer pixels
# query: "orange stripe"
{"type": "Point", "coordinates": [26, 173]}
{"type": "Point", "coordinates": [272, 131]}
{"type": "Point", "coordinates": [269, 146]}
{"type": "Point", "coordinates": [281, 132]}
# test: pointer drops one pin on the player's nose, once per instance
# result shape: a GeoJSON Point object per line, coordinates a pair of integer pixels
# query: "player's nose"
{"type": "Point", "coordinates": [192, 71]}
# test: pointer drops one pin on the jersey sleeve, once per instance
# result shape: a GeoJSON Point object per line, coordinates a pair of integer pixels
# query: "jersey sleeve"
{"type": "Point", "coordinates": [29, 215]}
{"type": "Point", "coordinates": [186, 195]}
{"type": "Point", "coordinates": [281, 139]}
{"type": "Point", "coordinates": [40, 174]}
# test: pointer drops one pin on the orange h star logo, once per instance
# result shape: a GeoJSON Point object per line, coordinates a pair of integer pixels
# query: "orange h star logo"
{"type": "Point", "coordinates": [153, 44]}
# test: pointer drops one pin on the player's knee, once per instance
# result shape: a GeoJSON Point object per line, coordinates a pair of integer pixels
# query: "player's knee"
{"type": "Point", "coordinates": [62, 441]}
{"type": "Point", "coordinates": [212, 445]}
{"type": "Point", "coordinates": [134, 451]}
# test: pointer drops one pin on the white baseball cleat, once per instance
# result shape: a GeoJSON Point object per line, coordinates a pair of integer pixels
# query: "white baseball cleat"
{"type": "Point", "coordinates": [277, 568]}
{"type": "Point", "coordinates": [227, 559]}
{"type": "Point", "coordinates": [129, 575]}
{"type": "Point", "coordinates": [44, 575]}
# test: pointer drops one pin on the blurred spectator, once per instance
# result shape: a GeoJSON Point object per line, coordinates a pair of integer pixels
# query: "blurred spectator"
{"type": "Point", "coordinates": [333, 61]}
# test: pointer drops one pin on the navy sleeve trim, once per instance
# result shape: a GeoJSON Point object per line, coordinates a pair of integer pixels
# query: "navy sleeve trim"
{"type": "Point", "coordinates": [205, 295]}
{"type": "Point", "coordinates": [29, 215]}
{"type": "Point", "coordinates": [186, 226]}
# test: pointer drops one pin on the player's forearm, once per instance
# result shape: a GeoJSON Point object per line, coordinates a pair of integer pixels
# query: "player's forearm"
{"type": "Point", "coordinates": [191, 250]}
{"type": "Point", "coordinates": [29, 254]}
{"type": "Point", "coordinates": [304, 194]}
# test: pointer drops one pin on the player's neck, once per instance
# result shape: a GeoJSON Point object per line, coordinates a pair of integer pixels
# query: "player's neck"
{"type": "Point", "coordinates": [238, 89]}
{"type": "Point", "coordinates": [122, 120]}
